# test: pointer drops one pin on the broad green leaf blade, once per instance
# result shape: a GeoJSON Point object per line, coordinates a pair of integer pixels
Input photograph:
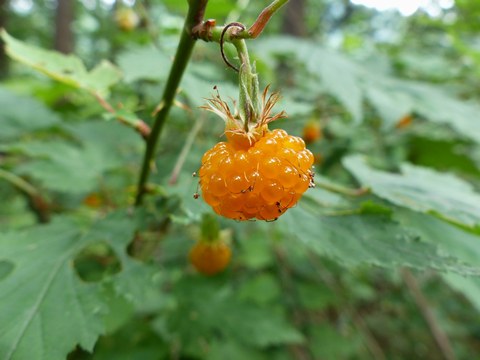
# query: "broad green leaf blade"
{"type": "Point", "coordinates": [50, 309]}
{"type": "Point", "coordinates": [60, 166]}
{"type": "Point", "coordinates": [68, 69]}
{"type": "Point", "coordinates": [339, 76]}
{"type": "Point", "coordinates": [21, 114]}
{"type": "Point", "coordinates": [351, 82]}
{"type": "Point", "coordinates": [242, 321]}
{"type": "Point", "coordinates": [438, 105]}
{"type": "Point", "coordinates": [391, 102]}
{"type": "Point", "coordinates": [146, 63]}
{"type": "Point", "coordinates": [421, 189]}
{"type": "Point", "coordinates": [451, 240]}
{"type": "Point", "coordinates": [76, 168]}
{"type": "Point", "coordinates": [366, 239]}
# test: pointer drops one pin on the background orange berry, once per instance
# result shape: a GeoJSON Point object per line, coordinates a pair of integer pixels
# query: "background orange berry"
{"type": "Point", "coordinates": [404, 122]}
{"type": "Point", "coordinates": [312, 132]}
{"type": "Point", "coordinates": [126, 19]}
{"type": "Point", "coordinates": [260, 182]}
{"type": "Point", "coordinates": [210, 257]}
{"type": "Point", "coordinates": [93, 200]}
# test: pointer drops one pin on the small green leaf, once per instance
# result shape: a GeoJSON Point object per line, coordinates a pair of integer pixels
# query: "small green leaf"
{"type": "Point", "coordinates": [68, 69]}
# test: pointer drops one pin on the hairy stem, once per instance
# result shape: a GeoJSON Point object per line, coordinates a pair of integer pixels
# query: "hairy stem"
{"type": "Point", "coordinates": [247, 83]}
{"type": "Point", "coordinates": [194, 17]}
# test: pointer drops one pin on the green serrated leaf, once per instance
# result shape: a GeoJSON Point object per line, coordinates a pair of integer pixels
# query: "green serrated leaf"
{"type": "Point", "coordinates": [339, 76]}
{"type": "Point", "coordinates": [242, 321]}
{"type": "Point", "coordinates": [50, 310]}
{"type": "Point", "coordinates": [367, 239]}
{"type": "Point", "coordinates": [53, 293]}
{"type": "Point", "coordinates": [421, 189]}
{"type": "Point", "coordinates": [453, 241]}
{"type": "Point", "coordinates": [351, 82]}
{"type": "Point", "coordinates": [62, 166]}
{"type": "Point", "coordinates": [68, 69]}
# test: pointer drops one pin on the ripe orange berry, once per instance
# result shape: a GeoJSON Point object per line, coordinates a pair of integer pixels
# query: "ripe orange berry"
{"type": "Point", "coordinates": [259, 181]}
{"type": "Point", "coordinates": [210, 257]}
{"type": "Point", "coordinates": [312, 132]}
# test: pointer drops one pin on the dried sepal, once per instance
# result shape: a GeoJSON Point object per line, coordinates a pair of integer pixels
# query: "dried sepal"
{"type": "Point", "coordinates": [245, 132]}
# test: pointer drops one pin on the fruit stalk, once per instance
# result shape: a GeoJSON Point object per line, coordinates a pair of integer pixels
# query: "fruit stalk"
{"type": "Point", "coordinates": [248, 85]}
{"type": "Point", "coordinates": [194, 17]}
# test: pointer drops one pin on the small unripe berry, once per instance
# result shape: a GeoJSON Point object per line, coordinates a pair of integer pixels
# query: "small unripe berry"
{"type": "Point", "coordinates": [210, 258]}
{"type": "Point", "coordinates": [126, 19]}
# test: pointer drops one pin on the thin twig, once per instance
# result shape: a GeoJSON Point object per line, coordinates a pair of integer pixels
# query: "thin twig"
{"type": "Point", "coordinates": [185, 150]}
{"type": "Point", "coordinates": [440, 337]}
{"type": "Point", "coordinates": [139, 125]}
{"type": "Point", "coordinates": [194, 17]}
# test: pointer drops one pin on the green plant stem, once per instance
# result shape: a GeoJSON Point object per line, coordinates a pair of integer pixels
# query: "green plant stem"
{"type": "Point", "coordinates": [341, 189]}
{"type": "Point", "coordinates": [194, 17]}
{"type": "Point", "coordinates": [19, 183]}
{"type": "Point", "coordinates": [37, 203]}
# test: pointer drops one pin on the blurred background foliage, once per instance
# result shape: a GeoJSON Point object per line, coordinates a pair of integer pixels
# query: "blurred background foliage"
{"type": "Point", "coordinates": [380, 275]}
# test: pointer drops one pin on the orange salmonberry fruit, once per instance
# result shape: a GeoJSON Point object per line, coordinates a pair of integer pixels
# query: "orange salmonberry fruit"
{"type": "Point", "coordinates": [210, 258]}
{"type": "Point", "coordinates": [258, 182]}
{"type": "Point", "coordinates": [257, 173]}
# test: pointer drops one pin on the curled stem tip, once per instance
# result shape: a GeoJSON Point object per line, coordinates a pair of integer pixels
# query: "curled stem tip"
{"type": "Point", "coordinates": [222, 41]}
